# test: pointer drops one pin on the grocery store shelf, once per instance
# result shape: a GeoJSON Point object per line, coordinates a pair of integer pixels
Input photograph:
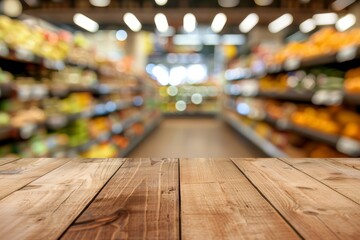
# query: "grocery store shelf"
{"type": "Point", "coordinates": [289, 95]}
{"type": "Point", "coordinates": [138, 140]}
{"type": "Point", "coordinates": [335, 141]}
{"type": "Point", "coordinates": [251, 135]}
{"type": "Point", "coordinates": [353, 98]}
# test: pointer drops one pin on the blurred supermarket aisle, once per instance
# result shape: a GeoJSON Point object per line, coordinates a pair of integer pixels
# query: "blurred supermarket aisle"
{"type": "Point", "coordinates": [195, 137]}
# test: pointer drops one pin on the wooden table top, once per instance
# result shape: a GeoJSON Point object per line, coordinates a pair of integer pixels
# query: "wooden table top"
{"type": "Point", "coordinates": [179, 198]}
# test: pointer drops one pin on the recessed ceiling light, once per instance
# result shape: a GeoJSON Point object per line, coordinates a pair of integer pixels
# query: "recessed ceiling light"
{"type": "Point", "coordinates": [86, 23]}
{"type": "Point", "coordinates": [325, 18]}
{"type": "Point", "coordinates": [100, 3]}
{"type": "Point", "coordinates": [228, 3]}
{"type": "Point", "coordinates": [161, 23]}
{"type": "Point", "coordinates": [189, 22]}
{"type": "Point", "coordinates": [161, 2]}
{"type": "Point", "coordinates": [12, 8]}
{"type": "Point", "coordinates": [218, 23]}
{"type": "Point", "coordinates": [132, 22]}
{"type": "Point", "coordinates": [249, 23]}
{"type": "Point", "coordinates": [281, 23]}
{"type": "Point", "coordinates": [339, 5]}
{"type": "Point", "coordinates": [263, 2]}
{"type": "Point", "coordinates": [345, 22]}
{"type": "Point", "coordinates": [307, 26]}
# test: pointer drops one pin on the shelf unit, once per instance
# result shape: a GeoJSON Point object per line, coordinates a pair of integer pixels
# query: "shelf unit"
{"type": "Point", "coordinates": [345, 59]}
{"type": "Point", "coordinates": [9, 91]}
{"type": "Point", "coordinates": [265, 145]}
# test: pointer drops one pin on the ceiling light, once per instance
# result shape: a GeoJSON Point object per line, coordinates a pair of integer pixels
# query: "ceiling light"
{"type": "Point", "coordinates": [12, 8]}
{"type": "Point", "coordinates": [345, 22]}
{"type": "Point", "coordinates": [100, 3]}
{"type": "Point", "coordinates": [307, 25]}
{"type": "Point", "coordinates": [263, 2]}
{"type": "Point", "coordinates": [132, 22]}
{"type": "Point", "coordinates": [218, 23]}
{"type": "Point", "coordinates": [161, 23]}
{"type": "Point", "coordinates": [161, 2]}
{"type": "Point", "coordinates": [249, 23]}
{"type": "Point", "coordinates": [325, 18]}
{"type": "Point", "coordinates": [86, 23]}
{"type": "Point", "coordinates": [228, 3]}
{"type": "Point", "coordinates": [305, 1]}
{"type": "Point", "coordinates": [341, 4]}
{"type": "Point", "coordinates": [281, 23]}
{"type": "Point", "coordinates": [121, 35]}
{"type": "Point", "coordinates": [189, 22]}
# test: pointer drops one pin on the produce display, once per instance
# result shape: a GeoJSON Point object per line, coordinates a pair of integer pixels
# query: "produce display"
{"type": "Point", "coordinates": [323, 42]}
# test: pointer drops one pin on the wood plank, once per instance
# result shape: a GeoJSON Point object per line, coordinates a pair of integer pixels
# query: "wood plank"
{"type": "Point", "coordinates": [19, 173]}
{"type": "Point", "coordinates": [141, 201]}
{"type": "Point", "coordinates": [313, 209]}
{"type": "Point", "coordinates": [6, 160]}
{"type": "Point", "coordinates": [218, 202]}
{"type": "Point", "coordinates": [335, 175]}
{"type": "Point", "coordinates": [46, 207]}
{"type": "Point", "coordinates": [351, 162]}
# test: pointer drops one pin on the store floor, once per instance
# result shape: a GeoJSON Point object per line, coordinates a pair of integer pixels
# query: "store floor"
{"type": "Point", "coordinates": [195, 137]}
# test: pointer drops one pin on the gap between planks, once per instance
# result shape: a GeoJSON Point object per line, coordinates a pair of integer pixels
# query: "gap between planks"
{"type": "Point", "coordinates": [303, 200]}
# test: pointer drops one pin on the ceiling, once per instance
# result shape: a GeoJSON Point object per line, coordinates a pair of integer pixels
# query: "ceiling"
{"type": "Point", "coordinates": [62, 11]}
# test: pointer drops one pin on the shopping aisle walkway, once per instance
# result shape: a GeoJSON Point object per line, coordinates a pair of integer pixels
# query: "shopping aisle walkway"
{"type": "Point", "coordinates": [195, 137]}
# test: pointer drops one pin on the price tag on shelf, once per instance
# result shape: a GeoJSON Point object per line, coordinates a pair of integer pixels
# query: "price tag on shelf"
{"type": "Point", "coordinates": [292, 64]}
{"type": "Point", "coordinates": [348, 146]}
{"type": "Point", "coordinates": [347, 54]}
{"type": "Point", "coordinates": [53, 64]}
{"type": "Point", "coordinates": [273, 68]}
{"type": "Point", "coordinates": [4, 51]}
{"type": "Point", "coordinates": [328, 97]}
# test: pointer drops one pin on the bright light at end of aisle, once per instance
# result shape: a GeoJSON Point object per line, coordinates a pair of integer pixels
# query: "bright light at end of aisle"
{"type": "Point", "coordinates": [218, 23]}
{"type": "Point", "coordinates": [189, 22]}
{"type": "Point", "coordinates": [177, 75]}
{"type": "Point", "coordinates": [325, 18]}
{"type": "Point", "coordinates": [180, 105]}
{"type": "Point", "coordinates": [100, 3]}
{"type": "Point", "coordinates": [161, 2]}
{"type": "Point", "coordinates": [307, 25]}
{"type": "Point", "coordinates": [86, 23]}
{"type": "Point", "coordinates": [345, 22]}
{"type": "Point", "coordinates": [161, 74]}
{"type": "Point", "coordinates": [281, 23]}
{"type": "Point", "coordinates": [161, 23]}
{"type": "Point", "coordinates": [249, 23]}
{"type": "Point", "coordinates": [197, 73]}
{"type": "Point", "coordinates": [121, 35]}
{"type": "Point", "coordinates": [12, 8]}
{"type": "Point", "coordinates": [132, 22]}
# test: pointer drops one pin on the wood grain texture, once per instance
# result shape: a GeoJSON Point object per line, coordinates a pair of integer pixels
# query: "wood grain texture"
{"type": "Point", "coordinates": [141, 201]}
{"type": "Point", "coordinates": [46, 207]}
{"type": "Point", "coordinates": [313, 209]}
{"type": "Point", "coordinates": [6, 160]}
{"type": "Point", "coordinates": [17, 174]}
{"type": "Point", "coordinates": [337, 176]}
{"type": "Point", "coordinates": [218, 202]}
{"type": "Point", "coordinates": [351, 162]}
